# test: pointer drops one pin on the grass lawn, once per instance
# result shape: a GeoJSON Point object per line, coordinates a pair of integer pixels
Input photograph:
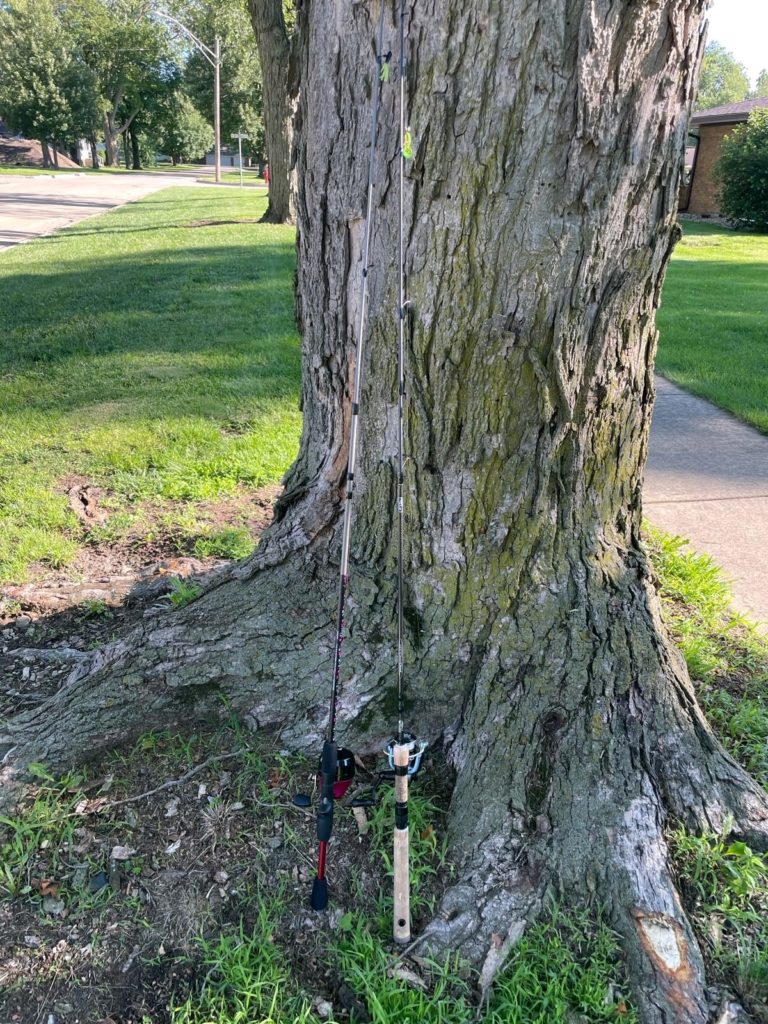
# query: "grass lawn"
{"type": "Point", "coordinates": [714, 319]}
{"type": "Point", "coordinates": [29, 171]}
{"type": "Point", "coordinates": [152, 351]}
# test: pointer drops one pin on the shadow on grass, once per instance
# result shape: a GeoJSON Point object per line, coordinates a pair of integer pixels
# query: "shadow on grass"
{"type": "Point", "coordinates": [202, 299]}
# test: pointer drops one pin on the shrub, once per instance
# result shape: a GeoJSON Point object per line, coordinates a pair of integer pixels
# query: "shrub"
{"type": "Point", "coordinates": [742, 172]}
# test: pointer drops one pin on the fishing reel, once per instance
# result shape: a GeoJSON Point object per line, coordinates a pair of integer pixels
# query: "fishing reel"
{"type": "Point", "coordinates": [345, 773]}
{"type": "Point", "coordinates": [416, 748]}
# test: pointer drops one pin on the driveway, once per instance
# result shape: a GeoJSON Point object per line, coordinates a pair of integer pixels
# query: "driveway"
{"type": "Point", "coordinates": [35, 205]}
{"type": "Point", "coordinates": [707, 480]}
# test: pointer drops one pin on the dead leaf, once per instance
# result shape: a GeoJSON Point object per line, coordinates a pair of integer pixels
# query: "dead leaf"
{"type": "Point", "coordinates": [122, 852]}
{"type": "Point", "coordinates": [173, 847]}
{"type": "Point", "coordinates": [410, 978]}
{"type": "Point", "coordinates": [276, 779]}
{"type": "Point", "coordinates": [172, 807]}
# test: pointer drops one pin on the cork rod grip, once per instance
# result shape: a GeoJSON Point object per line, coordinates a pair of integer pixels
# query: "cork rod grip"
{"type": "Point", "coordinates": [402, 911]}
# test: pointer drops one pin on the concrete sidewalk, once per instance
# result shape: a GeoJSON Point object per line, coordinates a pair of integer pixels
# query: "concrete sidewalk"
{"type": "Point", "coordinates": [36, 205]}
{"type": "Point", "coordinates": [707, 480]}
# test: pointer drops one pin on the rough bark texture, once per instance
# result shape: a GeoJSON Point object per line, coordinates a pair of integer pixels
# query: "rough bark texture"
{"type": "Point", "coordinates": [540, 214]}
{"type": "Point", "coordinates": [278, 105]}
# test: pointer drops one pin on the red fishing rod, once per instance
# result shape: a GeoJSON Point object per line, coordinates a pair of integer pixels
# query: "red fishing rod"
{"type": "Point", "coordinates": [337, 766]}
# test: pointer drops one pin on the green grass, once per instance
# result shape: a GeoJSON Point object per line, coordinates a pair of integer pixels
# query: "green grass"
{"type": "Point", "coordinates": [713, 321]}
{"type": "Point", "coordinates": [725, 885]}
{"type": "Point", "coordinates": [726, 656]}
{"type": "Point", "coordinates": [246, 978]}
{"type": "Point", "coordinates": [156, 358]}
{"type": "Point", "coordinates": [23, 169]}
{"type": "Point", "coordinates": [250, 177]}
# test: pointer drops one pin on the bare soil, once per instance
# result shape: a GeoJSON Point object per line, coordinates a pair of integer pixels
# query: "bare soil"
{"type": "Point", "coordinates": [174, 839]}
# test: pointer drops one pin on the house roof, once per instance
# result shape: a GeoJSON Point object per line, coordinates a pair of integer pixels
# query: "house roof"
{"type": "Point", "coordinates": [731, 113]}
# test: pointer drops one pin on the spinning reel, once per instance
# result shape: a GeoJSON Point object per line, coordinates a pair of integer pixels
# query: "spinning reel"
{"type": "Point", "coordinates": [416, 748]}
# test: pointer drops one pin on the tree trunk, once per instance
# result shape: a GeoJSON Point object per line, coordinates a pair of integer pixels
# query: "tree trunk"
{"type": "Point", "coordinates": [135, 152]}
{"type": "Point", "coordinates": [94, 152]}
{"type": "Point", "coordinates": [110, 143]}
{"type": "Point", "coordinates": [55, 151]}
{"type": "Point", "coordinates": [540, 217]}
{"type": "Point", "coordinates": [279, 106]}
{"type": "Point", "coordinates": [46, 152]}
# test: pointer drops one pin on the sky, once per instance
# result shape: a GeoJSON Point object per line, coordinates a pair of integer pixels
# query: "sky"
{"type": "Point", "coordinates": [742, 27]}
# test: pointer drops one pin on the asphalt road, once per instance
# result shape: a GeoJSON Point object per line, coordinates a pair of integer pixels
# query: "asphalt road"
{"type": "Point", "coordinates": [35, 205]}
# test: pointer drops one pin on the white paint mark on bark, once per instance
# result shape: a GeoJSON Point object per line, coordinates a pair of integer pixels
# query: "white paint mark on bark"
{"type": "Point", "coordinates": [663, 939]}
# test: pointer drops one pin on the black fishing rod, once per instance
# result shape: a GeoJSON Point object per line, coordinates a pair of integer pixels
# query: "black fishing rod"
{"type": "Point", "coordinates": [337, 766]}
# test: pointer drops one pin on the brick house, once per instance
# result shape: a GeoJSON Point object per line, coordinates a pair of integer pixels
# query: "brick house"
{"type": "Point", "coordinates": [708, 128]}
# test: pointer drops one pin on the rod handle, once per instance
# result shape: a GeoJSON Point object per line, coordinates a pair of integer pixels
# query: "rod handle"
{"type": "Point", "coordinates": [402, 907]}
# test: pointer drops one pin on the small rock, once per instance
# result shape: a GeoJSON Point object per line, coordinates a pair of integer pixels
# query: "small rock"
{"type": "Point", "coordinates": [221, 877]}
{"type": "Point", "coordinates": [23, 622]}
{"type": "Point", "coordinates": [32, 941]}
{"type": "Point", "coordinates": [25, 673]}
{"type": "Point", "coordinates": [323, 1007]}
{"type": "Point", "coordinates": [173, 847]}
{"type": "Point", "coordinates": [543, 823]}
{"type": "Point", "coordinates": [63, 1008]}
{"type": "Point", "coordinates": [275, 842]}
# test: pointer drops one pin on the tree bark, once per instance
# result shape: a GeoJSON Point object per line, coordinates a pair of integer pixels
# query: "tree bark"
{"type": "Point", "coordinates": [135, 151]}
{"type": "Point", "coordinates": [278, 105]}
{"type": "Point", "coordinates": [46, 152]}
{"type": "Point", "coordinates": [540, 217]}
{"type": "Point", "coordinates": [94, 152]}
{"type": "Point", "coordinates": [110, 146]}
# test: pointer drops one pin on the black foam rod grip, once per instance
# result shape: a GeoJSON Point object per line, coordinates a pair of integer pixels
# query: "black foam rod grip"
{"type": "Point", "coordinates": [329, 761]}
{"type": "Point", "coordinates": [324, 819]}
{"type": "Point", "coordinates": [319, 900]}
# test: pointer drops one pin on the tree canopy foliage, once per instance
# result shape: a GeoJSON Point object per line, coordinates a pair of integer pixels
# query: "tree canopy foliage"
{"type": "Point", "coordinates": [723, 79]}
{"type": "Point", "coordinates": [761, 86]}
{"type": "Point", "coordinates": [72, 69]}
{"type": "Point", "coordinates": [743, 172]}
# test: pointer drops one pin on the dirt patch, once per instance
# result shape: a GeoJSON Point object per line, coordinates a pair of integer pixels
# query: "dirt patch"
{"type": "Point", "coordinates": [48, 625]}
{"type": "Point", "coordinates": [111, 924]}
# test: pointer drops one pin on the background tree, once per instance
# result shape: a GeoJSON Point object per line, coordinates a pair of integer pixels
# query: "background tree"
{"type": "Point", "coordinates": [761, 86]}
{"type": "Point", "coordinates": [541, 211]}
{"type": "Point", "coordinates": [742, 172]}
{"type": "Point", "coordinates": [180, 130]}
{"type": "Point", "coordinates": [126, 51]}
{"type": "Point", "coordinates": [723, 79]}
{"type": "Point", "coordinates": [241, 89]}
{"type": "Point", "coordinates": [46, 92]}
{"type": "Point", "coordinates": [271, 25]}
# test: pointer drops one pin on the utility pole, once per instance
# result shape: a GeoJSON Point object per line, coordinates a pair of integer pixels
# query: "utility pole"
{"type": "Point", "coordinates": [213, 56]}
{"type": "Point", "coordinates": [217, 107]}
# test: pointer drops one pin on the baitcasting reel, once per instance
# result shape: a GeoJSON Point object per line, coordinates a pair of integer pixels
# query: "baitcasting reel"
{"type": "Point", "coordinates": [345, 773]}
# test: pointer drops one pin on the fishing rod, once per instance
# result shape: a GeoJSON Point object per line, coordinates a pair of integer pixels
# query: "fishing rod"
{"type": "Point", "coordinates": [337, 766]}
{"type": "Point", "coordinates": [405, 751]}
